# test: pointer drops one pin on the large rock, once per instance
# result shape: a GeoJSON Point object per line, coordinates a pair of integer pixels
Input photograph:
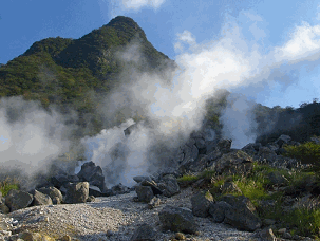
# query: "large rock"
{"type": "Point", "coordinates": [17, 199]}
{"type": "Point", "coordinates": [60, 179]}
{"type": "Point", "coordinates": [276, 178]}
{"type": "Point", "coordinates": [77, 192]}
{"type": "Point", "coordinates": [170, 187]}
{"type": "Point", "coordinates": [200, 204]}
{"type": "Point", "coordinates": [234, 162]}
{"type": "Point", "coordinates": [242, 214]}
{"type": "Point", "coordinates": [144, 232]}
{"type": "Point", "coordinates": [40, 198]}
{"type": "Point", "coordinates": [141, 179]}
{"type": "Point", "coordinates": [252, 148]}
{"type": "Point", "coordinates": [178, 219]}
{"type": "Point", "coordinates": [191, 153]}
{"type": "Point", "coordinates": [53, 193]}
{"type": "Point", "coordinates": [267, 154]}
{"type": "Point", "coordinates": [93, 174]}
{"type": "Point", "coordinates": [144, 193]}
{"type": "Point", "coordinates": [224, 145]}
{"type": "Point", "coordinates": [153, 185]}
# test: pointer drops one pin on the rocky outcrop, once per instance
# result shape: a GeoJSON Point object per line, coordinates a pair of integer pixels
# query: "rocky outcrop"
{"type": "Point", "coordinates": [217, 203]}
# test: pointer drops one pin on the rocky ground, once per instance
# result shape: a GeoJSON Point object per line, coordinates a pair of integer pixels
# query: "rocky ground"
{"type": "Point", "coordinates": [114, 218]}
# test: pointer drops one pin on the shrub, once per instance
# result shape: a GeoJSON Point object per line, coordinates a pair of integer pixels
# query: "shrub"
{"type": "Point", "coordinates": [307, 153]}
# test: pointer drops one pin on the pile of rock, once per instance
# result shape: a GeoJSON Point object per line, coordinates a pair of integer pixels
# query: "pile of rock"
{"type": "Point", "coordinates": [63, 188]}
{"type": "Point", "coordinates": [236, 211]}
{"type": "Point", "coordinates": [195, 156]}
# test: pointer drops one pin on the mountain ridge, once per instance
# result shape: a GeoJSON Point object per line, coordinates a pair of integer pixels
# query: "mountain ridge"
{"type": "Point", "coordinates": [71, 72]}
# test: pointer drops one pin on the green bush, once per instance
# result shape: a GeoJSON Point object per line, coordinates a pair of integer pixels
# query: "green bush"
{"type": "Point", "coordinates": [307, 153]}
{"type": "Point", "coordinates": [4, 189]}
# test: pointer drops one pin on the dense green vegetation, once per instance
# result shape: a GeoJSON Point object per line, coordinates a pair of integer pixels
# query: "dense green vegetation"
{"type": "Point", "coordinates": [299, 124]}
{"type": "Point", "coordinates": [303, 221]}
{"type": "Point", "coordinates": [71, 73]}
{"type": "Point", "coordinates": [307, 153]}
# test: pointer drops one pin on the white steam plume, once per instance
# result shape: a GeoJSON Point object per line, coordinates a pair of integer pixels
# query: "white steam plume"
{"type": "Point", "coordinates": [230, 63]}
{"type": "Point", "coordinates": [33, 138]}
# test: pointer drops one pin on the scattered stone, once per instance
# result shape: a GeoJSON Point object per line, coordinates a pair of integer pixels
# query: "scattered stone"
{"type": "Point", "coordinates": [144, 232]}
{"type": "Point", "coordinates": [180, 236]}
{"type": "Point", "coordinates": [144, 193]}
{"type": "Point", "coordinates": [178, 219]}
{"type": "Point", "coordinates": [200, 204]}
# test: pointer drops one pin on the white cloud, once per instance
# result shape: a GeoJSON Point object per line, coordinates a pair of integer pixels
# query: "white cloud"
{"type": "Point", "coordinates": [178, 47]}
{"type": "Point", "coordinates": [304, 42]}
{"type": "Point", "coordinates": [136, 4]}
{"type": "Point", "coordinates": [186, 36]}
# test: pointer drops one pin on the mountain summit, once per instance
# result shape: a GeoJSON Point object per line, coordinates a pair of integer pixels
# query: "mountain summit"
{"type": "Point", "coordinates": [93, 61]}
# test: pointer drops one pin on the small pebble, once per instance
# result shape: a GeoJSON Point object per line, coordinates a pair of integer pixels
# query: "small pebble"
{"type": "Point", "coordinates": [180, 236]}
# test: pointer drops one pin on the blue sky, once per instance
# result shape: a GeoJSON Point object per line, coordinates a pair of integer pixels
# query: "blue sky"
{"type": "Point", "coordinates": [172, 26]}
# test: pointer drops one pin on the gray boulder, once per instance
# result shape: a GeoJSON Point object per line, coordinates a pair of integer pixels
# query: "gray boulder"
{"type": "Point", "coordinates": [234, 162]}
{"type": "Point", "coordinates": [144, 193]}
{"type": "Point", "coordinates": [190, 155]}
{"type": "Point", "coordinates": [178, 219]}
{"type": "Point", "coordinates": [224, 145]}
{"type": "Point", "coordinates": [217, 211]}
{"type": "Point", "coordinates": [40, 198]}
{"type": "Point", "coordinates": [171, 187]}
{"type": "Point", "coordinates": [77, 193]}
{"type": "Point", "coordinates": [242, 214]}
{"type": "Point", "coordinates": [252, 148]}
{"type": "Point", "coordinates": [17, 199]}
{"type": "Point", "coordinates": [53, 193]}
{"type": "Point", "coordinates": [93, 174]}
{"type": "Point", "coordinates": [276, 178]}
{"type": "Point", "coordinates": [141, 179]}
{"type": "Point", "coordinates": [267, 154]}
{"type": "Point", "coordinates": [60, 179]}
{"type": "Point", "coordinates": [200, 204]}
{"type": "Point", "coordinates": [144, 232]}
{"type": "Point", "coordinates": [153, 185]}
